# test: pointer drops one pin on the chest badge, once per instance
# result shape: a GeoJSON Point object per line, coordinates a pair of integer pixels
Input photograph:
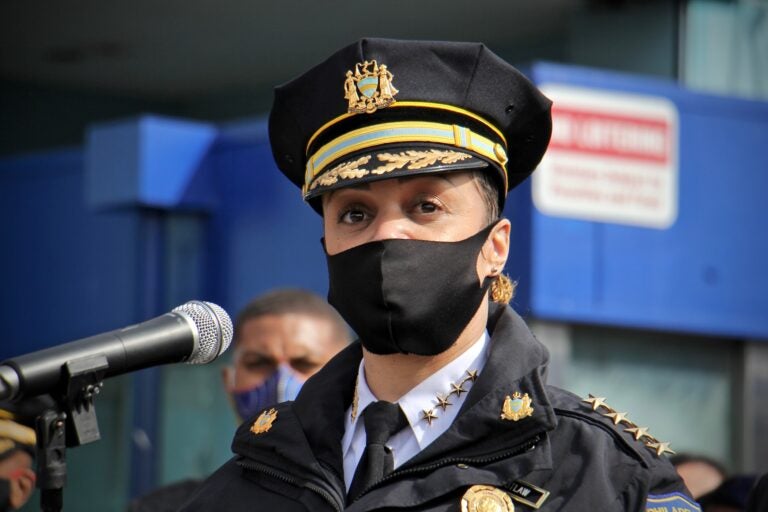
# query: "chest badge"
{"type": "Point", "coordinates": [516, 407]}
{"type": "Point", "coordinates": [369, 88]}
{"type": "Point", "coordinates": [264, 422]}
{"type": "Point", "coordinates": [484, 498]}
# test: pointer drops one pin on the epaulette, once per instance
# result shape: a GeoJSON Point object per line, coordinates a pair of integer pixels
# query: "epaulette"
{"type": "Point", "coordinates": [636, 438]}
{"type": "Point", "coordinates": [641, 434]}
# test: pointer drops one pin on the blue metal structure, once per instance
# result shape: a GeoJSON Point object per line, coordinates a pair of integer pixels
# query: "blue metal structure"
{"type": "Point", "coordinates": [705, 273]}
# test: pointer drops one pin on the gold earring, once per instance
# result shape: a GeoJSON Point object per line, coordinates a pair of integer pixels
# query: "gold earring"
{"type": "Point", "coordinates": [502, 289]}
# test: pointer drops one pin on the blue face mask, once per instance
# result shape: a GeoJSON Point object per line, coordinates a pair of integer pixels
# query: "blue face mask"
{"type": "Point", "coordinates": [282, 385]}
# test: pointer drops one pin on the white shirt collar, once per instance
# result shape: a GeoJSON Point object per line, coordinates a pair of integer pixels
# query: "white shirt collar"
{"type": "Point", "coordinates": [423, 397]}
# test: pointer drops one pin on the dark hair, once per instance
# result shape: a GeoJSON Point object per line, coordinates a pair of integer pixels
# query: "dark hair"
{"type": "Point", "coordinates": [489, 193]}
{"type": "Point", "coordinates": [733, 492]}
{"type": "Point", "coordinates": [291, 300]}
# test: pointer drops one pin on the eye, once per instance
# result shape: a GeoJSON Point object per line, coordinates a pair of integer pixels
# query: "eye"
{"type": "Point", "coordinates": [353, 215]}
{"type": "Point", "coordinates": [303, 365]}
{"type": "Point", "coordinates": [256, 364]}
{"type": "Point", "coordinates": [426, 207]}
{"type": "Point", "coordinates": [427, 204]}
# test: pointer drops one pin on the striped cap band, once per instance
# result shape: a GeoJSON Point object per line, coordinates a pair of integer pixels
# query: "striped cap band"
{"type": "Point", "coordinates": [402, 132]}
{"type": "Point", "coordinates": [413, 104]}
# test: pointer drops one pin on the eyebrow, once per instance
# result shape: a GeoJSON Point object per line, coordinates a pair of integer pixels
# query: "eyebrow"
{"type": "Point", "coordinates": [363, 186]}
{"type": "Point", "coordinates": [445, 176]}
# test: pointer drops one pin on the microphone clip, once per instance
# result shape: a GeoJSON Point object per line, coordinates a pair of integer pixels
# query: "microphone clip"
{"type": "Point", "coordinates": [84, 380]}
{"type": "Point", "coordinates": [70, 422]}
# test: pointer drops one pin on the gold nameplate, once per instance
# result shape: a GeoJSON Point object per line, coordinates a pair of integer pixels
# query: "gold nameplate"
{"type": "Point", "coordinates": [516, 407]}
{"type": "Point", "coordinates": [264, 422]}
{"type": "Point", "coordinates": [368, 88]}
{"type": "Point", "coordinates": [484, 498]}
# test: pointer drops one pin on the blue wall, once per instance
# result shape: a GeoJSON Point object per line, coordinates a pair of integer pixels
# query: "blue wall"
{"type": "Point", "coordinates": [66, 271]}
{"type": "Point", "coordinates": [703, 274]}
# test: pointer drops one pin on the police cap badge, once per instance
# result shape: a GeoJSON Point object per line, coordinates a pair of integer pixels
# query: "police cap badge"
{"type": "Point", "coordinates": [384, 108]}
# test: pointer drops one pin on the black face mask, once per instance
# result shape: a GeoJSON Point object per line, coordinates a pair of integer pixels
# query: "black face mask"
{"type": "Point", "coordinates": [408, 296]}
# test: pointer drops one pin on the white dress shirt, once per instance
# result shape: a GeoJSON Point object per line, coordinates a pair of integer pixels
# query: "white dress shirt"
{"type": "Point", "coordinates": [419, 434]}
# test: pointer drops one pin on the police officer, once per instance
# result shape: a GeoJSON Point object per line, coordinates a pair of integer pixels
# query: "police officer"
{"type": "Point", "coordinates": [408, 149]}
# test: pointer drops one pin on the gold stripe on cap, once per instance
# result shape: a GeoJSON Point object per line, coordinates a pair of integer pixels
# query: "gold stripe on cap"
{"type": "Point", "coordinates": [403, 132]}
{"type": "Point", "coordinates": [413, 104]}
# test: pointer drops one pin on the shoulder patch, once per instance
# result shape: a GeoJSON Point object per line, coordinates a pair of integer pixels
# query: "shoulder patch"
{"type": "Point", "coordinates": [672, 502]}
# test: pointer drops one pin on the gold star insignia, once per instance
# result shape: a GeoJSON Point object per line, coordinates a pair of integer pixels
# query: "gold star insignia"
{"type": "Point", "coordinates": [617, 417]}
{"type": "Point", "coordinates": [638, 432]}
{"type": "Point", "coordinates": [442, 401]}
{"type": "Point", "coordinates": [660, 448]}
{"type": "Point", "coordinates": [595, 402]}
{"type": "Point", "coordinates": [472, 375]}
{"type": "Point", "coordinates": [457, 388]}
{"type": "Point", "coordinates": [429, 415]}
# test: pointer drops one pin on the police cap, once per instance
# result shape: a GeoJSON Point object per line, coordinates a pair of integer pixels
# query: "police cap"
{"type": "Point", "coordinates": [384, 108]}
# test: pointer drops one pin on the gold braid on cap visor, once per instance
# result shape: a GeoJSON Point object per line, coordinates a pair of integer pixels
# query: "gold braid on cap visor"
{"type": "Point", "coordinates": [401, 132]}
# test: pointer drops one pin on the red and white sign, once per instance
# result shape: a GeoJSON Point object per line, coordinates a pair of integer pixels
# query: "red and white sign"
{"type": "Point", "coordinates": [612, 158]}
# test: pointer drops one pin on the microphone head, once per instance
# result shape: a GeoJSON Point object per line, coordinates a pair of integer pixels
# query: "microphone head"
{"type": "Point", "coordinates": [213, 330]}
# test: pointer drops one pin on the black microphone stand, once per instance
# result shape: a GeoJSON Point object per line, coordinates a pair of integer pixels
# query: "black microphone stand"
{"type": "Point", "coordinates": [69, 423]}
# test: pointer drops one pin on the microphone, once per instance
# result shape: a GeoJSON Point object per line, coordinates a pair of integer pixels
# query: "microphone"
{"type": "Point", "coordinates": [196, 332]}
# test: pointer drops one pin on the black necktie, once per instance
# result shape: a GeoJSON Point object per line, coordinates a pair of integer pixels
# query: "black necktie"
{"type": "Point", "coordinates": [382, 421]}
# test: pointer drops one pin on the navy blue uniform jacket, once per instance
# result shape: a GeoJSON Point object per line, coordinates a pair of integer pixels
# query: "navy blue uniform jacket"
{"type": "Point", "coordinates": [578, 455]}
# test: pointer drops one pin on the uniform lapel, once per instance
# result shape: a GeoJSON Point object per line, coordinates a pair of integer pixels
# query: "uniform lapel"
{"type": "Point", "coordinates": [304, 439]}
{"type": "Point", "coordinates": [322, 404]}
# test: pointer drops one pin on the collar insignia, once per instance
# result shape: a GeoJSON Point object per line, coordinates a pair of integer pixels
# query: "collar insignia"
{"type": "Point", "coordinates": [484, 498]}
{"type": "Point", "coordinates": [428, 415]}
{"type": "Point", "coordinates": [516, 407]}
{"type": "Point", "coordinates": [442, 401]}
{"type": "Point", "coordinates": [369, 88]}
{"type": "Point", "coordinates": [457, 388]}
{"type": "Point", "coordinates": [264, 422]}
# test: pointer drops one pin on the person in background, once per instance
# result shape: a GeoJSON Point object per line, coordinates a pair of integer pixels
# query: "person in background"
{"type": "Point", "coordinates": [701, 474]}
{"type": "Point", "coordinates": [408, 150]}
{"type": "Point", "coordinates": [731, 495]}
{"type": "Point", "coordinates": [281, 338]}
{"type": "Point", "coordinates": [17, 453]}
